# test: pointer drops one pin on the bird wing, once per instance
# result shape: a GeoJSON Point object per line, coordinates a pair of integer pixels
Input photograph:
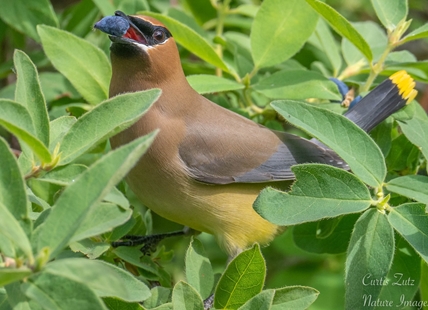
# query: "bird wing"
{"type": "Point", "coordinates": [232, 149]}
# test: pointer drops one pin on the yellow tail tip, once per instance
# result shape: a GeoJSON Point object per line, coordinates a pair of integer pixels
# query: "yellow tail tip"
{"type": "Point", "coordinates": [405, 84]}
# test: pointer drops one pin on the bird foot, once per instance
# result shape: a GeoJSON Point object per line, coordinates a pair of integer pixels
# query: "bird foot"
{"type": "Point", "coordinates": [209, 302]}
{"type": "Point", "coordinates": [149, 242]}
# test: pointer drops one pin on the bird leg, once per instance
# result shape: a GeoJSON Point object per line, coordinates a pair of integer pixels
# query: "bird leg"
{"type": "Point", "coordinates": [151, 242]}
{"type": "Point", "coordinates": [209, 302]}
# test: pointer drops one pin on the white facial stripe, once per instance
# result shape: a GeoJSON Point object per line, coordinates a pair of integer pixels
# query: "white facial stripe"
{"type": "Point", "coordinates": [142, 46]}
{"type": "Point", "coordinates": [163, 42]}
{"type": "Point", "coordinates": [147, 47]}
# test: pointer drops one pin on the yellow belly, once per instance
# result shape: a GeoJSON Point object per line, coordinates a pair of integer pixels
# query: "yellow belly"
{"type": "Point", "coordinates": [226, 211]}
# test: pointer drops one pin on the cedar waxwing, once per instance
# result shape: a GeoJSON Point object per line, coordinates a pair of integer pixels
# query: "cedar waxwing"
{"type": "Point", "coordinates": [207, 165]}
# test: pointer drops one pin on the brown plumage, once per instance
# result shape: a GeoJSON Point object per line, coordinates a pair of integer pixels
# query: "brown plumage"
{"type": "Point", "coordinates": [207, 165]}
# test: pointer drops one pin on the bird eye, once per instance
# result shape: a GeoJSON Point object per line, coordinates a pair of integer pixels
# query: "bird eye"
{"type": "Point", "coordinates": [159, 35]}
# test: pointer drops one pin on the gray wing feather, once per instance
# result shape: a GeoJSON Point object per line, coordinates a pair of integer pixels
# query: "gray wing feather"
{"type": "Point", "coordinates": [291, 150]}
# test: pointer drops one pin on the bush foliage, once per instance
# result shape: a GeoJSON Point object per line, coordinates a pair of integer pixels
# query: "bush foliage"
{"type": "Point", "coordinates": [355, 240]}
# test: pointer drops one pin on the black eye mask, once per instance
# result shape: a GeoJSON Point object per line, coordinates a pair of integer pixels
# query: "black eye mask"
{"type": "Point", "coordinates": [128, 29]}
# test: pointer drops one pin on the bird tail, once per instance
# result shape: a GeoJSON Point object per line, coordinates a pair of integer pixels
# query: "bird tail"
{"type": "Point", "coordinates": [387, 98]}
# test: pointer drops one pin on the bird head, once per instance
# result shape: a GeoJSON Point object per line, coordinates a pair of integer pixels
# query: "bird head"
{"type": "Point", "coordinates": [143, 54]}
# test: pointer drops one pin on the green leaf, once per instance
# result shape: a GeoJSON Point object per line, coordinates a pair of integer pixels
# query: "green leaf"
{"type": "Point", "coordinates": [190, 40]}
{"type": "Point", "coordinates": [294, 297]}
{"type": "Point", "coordinates": [55, 85]}
{"type": "Point", "coordinates": [147, 267]}
{"type": "Point", "coordinates": [390, 13]}
{"type": "Point", "coordinates": [328, 45]}
{"type": "Point", "coordinates": [202, 10]}
{"type": "Point", "coordinates": [320, 191]}
{"type": "Point", "coordinates": [63, 175]}
{"type": "Point", "coordinates": [179, 15]}
{"type": "Point", "coordinates": [3, 299]}
{"type": "Point", "coordinates": [419, 33]}
{"type": "Point", "coordinates": [101, 218]}
{"type": "Point", "coordinates": [381, 134]}
{"type": "Point", "coordinates": [418, 70]}
{"type": "Point", "coordinates": [105, 120]}
{"type": "Point", "coordinates": [74, 108]}
{"type": "Point", "coordinates": [57, 292]}
{"type": "Point", "coordinates": [24, 15]}
{"type": "Point", "coordinates": [316, 237]}
{"type": "Point", "coordinates": [277, 32]}
{"type": "Point", "coordinates": [134, 256]}
{"type": "Point", "coordinates": [10, 228]}
{"type": "Point", "coordinates": [403, 154]}
{"type": "Point", "coordinates": [82, 63]}
{"type": "Point", "coordinates": [199, 273]}
{"type": "Point", "coordinates": [17, 300]}
{"type": "Point", "coordinates": [122, 230]}
{"type": "Point", "coordinates": [80, 17]}
{"type": "Point", "coordinates": [10, 275]}
{"type": "Point", "coordinates": [416, 130]}
{"type": "Point", "coordinates": [106, 7]}
{"type": "Point", "coordinates": [103, 278]}
{"type": "Point", "coordinates": [16, 119]}
{"type": "Point", "coordinates": [131, 6]}
{"type": "Point", "coordinates": [117, 304]}
{"type": "Point", "coordinates": [208, 84]}
{"type": "Point", "coordinates": [397, 58]}
{"type": "Point", "coordinates": [77, 199]}
{"type": "Point", "coordinates": [368, 260]}
{"type": "Point", "coordinates": [90, 248]}
{"type": "Point", "coordinates": [262, 301]}
{"type": "Point", "coordinates": [401, 283]}
{"type": "Point", "coordinates": [148, 222]}
{"type": "Point", "coordinates": [297, 84]}
{"type": "Point", "coordinates": [159, 295]}
{"type": "Point", "coordinates": [59, 127]}
{"type": "Point", "coordinates": [242, 64]}
{"type": "Point", "coordinates": [291, 297]}
{"type": "Point", "coordinates": [411, 221]}
{"type": "Point", "coordinates": [412, 186]}
{"type": "Point", "coordinates": [375, 37]}
{"type": "Point", "coordinates": [239, 44]}
{"type": "Point", "coordinates": [37, 201]}
{"type": "Point", "coordinates": [186, 297]}
{"type": "Point", "coordinates": [244, 278]}
{"type": "Point", "coordinates": [12, 187]}
{"type": "Point", "coordinates": [8, 92]}
{"type": "Point", "coordinates": [356, 148]}
{"type": "Point", "coordinates": [342, 27]}
{"type": "Point", "coordinates": [29, 93]}
{"type": "Point", "coordinates": [7, 248]}
{"type": "Point", "coordinates": [406, 113]}
{"type": "Point", "coordinates": [249, 10]}
{"type": "Point", "coordinates": [116, 197]}
{"type": "Point", "coordinates": [423, 288]}
{"type": "Point", "coordinates": [27, 159]}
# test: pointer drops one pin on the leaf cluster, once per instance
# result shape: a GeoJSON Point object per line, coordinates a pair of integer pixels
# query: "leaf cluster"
{"type": "Point", "coordinates": [62, 201]}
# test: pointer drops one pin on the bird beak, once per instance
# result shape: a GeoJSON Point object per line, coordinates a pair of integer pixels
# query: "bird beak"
{"type": "Point", "coordinates": [122, 29]}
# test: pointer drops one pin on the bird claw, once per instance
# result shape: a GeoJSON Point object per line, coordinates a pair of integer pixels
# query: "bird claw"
{"type": "Point", "coordinates": [209, 302]}
{"type": "Point", "coordinates": [149, 242]}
